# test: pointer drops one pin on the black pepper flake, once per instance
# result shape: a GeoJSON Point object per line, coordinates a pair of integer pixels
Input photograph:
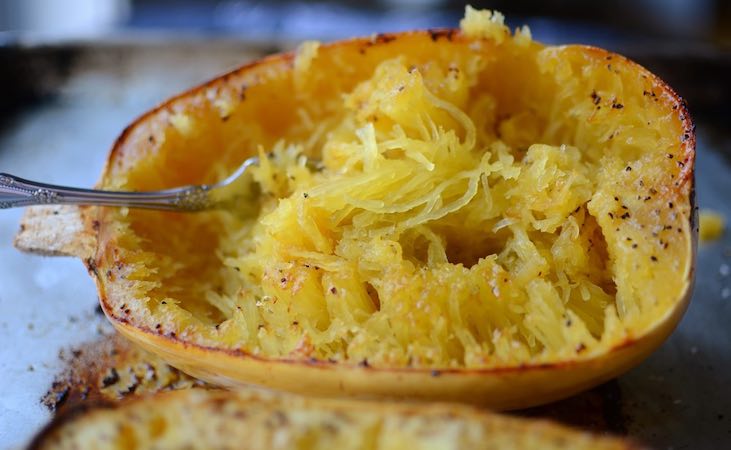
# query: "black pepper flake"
{"type": "Point", "coordinates": [333, 290]}
{"type": "Point", "coordinates": [617, 106]}
{"type": "Point", "coordinates": [283, 280]}
{"type": "Point", "coordinates": [111, 378]}
{"type": "Point", "coordinates": [624, 207]}
{"type": "Point", "coordinates": [616, 199]}
{"type": "Point", "coordinates": [670, 205]}
{"type": "Point", "coordinates": [671, 156]}
{"type": "Point", "coordinates": [580, 348]}
{"type": "Point", "coordinates": [364, 363]}
{"type": "Point", "coordinates": [305, 195]}
{"type": "Point", "coordinates": [653, 258]}
{"type": "Point", "coordinates": [634, 245]}
{"type": "Point", "coordinates": [628, 169]}
{"type": "Point", "coordinates": [158, 326]}
{"type": "Point", "coordinates": [611, 215]}
{"type": "Point", "coordinates": [595, 97]}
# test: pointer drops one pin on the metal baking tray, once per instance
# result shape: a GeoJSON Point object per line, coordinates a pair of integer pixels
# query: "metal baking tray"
{"type": "Point", "coordinates": [63, 105]}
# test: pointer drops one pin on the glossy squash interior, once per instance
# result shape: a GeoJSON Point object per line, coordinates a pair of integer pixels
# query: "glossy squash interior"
{"type": "Point", "coordinates": [479, 201]}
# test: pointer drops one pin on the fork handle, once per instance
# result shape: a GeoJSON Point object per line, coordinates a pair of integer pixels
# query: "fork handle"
{"type": "Point", "coordinates": [18, 192]}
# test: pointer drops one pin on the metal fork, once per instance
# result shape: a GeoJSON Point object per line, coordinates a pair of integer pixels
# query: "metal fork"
{"type": "Point", "coordinates": [17, 192]}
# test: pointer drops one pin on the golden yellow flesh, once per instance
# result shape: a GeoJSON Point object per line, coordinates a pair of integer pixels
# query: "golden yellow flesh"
{"type": "Point", "coordinates": [482, 203]}
{"type": "Point", "coordinates": [711, 225]}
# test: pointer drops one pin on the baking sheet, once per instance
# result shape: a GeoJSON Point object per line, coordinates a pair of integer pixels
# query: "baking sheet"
{"type": "Point", "coordinates": [70, 103]}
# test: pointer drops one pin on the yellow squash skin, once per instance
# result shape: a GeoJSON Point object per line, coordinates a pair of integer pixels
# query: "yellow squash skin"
{"type": "Point", "coordinates": [137, 162]}
{"type": "Point", "coordinates": [499, 389]}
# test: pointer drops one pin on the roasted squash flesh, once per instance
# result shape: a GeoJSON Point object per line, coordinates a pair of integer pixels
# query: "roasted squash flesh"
{"type": "Point", "coordinates": [478, 201]}
{"type": "Point", "coordinates": [196, 418]}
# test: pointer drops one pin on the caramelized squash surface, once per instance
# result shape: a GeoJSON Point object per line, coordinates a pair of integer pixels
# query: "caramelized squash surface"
{"type": "Point", "coordinates": [195, 418]}
{"type": "Point", "coordinates": [481, 203]}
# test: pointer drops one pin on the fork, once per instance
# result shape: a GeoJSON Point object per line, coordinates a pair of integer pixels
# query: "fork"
{"type": "Point", "coordinates": [18, 192]}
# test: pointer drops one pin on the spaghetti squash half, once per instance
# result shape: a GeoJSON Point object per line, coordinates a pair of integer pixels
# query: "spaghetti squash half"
{"type": "Point", "coordinates": [197, 418]}
{"type": "Point", "coordinates": [455, 214]}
